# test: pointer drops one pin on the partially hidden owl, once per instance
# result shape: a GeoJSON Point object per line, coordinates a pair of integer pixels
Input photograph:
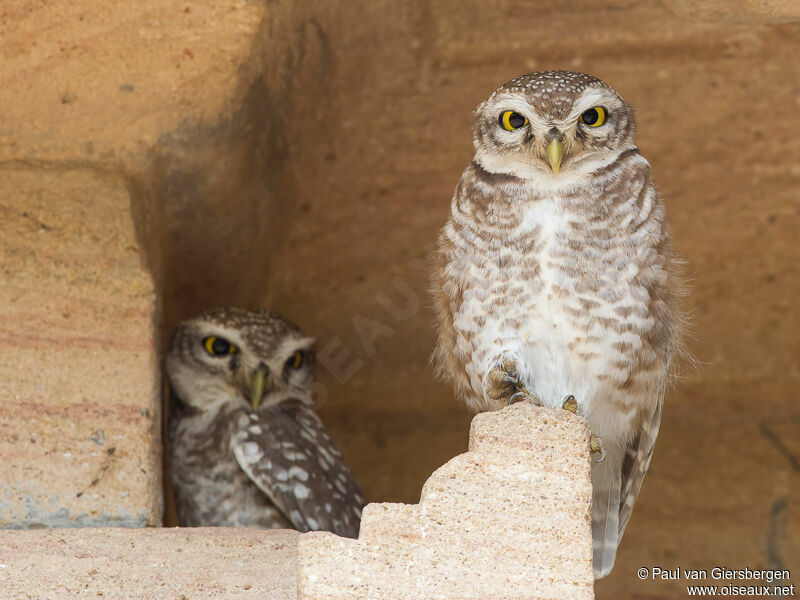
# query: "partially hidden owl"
{"type": "Point", "coordinates": [554, 279]}
{"type": "Point", "coordinates": [247, 448]}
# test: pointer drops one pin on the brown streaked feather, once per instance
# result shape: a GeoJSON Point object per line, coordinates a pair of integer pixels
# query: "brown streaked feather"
{"type": "Point", "coordinates": [446, 363]}
{"type": "Point", "coordinates": [636, 463]}
{"type": "Point", "coordinates": [286, 452]}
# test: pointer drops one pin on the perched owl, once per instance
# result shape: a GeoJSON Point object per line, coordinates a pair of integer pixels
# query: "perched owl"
{"type": "Point", "coordinates": [247, 448]}
{"type": "Point", "coordinates": [554, 281]}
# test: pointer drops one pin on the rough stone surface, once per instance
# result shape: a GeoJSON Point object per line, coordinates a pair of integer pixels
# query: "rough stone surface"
{"type": "Point", "coordinates": [79, 398]}
{"type": "Point", "coordinates": [508, 519]}
{"type": "Point", "coordinates": [161, 564]}
{"type": "Point", "coordinates": [184, 100]}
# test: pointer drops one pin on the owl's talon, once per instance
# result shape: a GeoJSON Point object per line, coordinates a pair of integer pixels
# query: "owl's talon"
{"type": "Point", "coordinates": [503, 382]}
{"type": "Point", "coordinates": [596, 446]}
{"type": "Point", "coordinates": [515, 397]}
{"type": "Point", "coordinates": [524, 396]}
{"type": "Point", "coordinates": [499, 377]}
{"type": "Point", "coordinates": [570, 404]}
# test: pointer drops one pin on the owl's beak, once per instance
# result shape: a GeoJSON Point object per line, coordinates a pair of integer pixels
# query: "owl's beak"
{"type": "Point", "coordinates": [555, 152]}
{"type": "Point", "coordinates": [257, 390]}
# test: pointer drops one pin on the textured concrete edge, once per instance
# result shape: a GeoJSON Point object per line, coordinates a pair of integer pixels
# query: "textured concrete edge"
{"type": "Point", "coordinates": [150, 563]}
{"type": "Point", "coordinates": [391, 546]}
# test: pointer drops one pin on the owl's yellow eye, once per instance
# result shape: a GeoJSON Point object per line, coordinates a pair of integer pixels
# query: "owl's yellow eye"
{"type": "Point", "coordinates": [594, 117]}
{"type": "Point", "coordinates": [511, 120]}
{"type": "Point", "coordinates": [217, 346]}
{"type": "Point", "coordinates": [297, 359]}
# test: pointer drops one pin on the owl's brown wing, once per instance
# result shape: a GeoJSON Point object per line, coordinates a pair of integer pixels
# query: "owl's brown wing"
{"type": "Point", "coordinates": [616, 483]}
{"type": "Point", "coordinates": [635, 464]}
{"type": "Point", "coordinates": [285, 451]}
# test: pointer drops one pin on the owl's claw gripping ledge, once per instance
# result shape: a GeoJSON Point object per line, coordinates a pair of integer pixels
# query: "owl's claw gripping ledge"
{"type": "Point", "coordinates": [504, 382]}
{"type": "Point", "coordinates": [522, 396]}
{"type": "Point", "coordinates": [596, 445]}
{"type": "Point", "coordinates": [570, 404]}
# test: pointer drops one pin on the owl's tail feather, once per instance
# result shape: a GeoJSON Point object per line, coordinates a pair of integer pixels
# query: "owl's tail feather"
{"type": "Point", "coordinates": [606, 481]}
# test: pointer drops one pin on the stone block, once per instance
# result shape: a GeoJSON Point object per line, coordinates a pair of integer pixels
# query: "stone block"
{"type": "Point", "coordinates": [79, 375]}
{"type": "Point", "coordinates": [509, 519]}
{"type": "Point", "coordinates": [157, 564]}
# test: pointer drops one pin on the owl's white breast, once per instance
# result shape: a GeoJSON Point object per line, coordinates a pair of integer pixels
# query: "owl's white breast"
{"type": "Point", "coordinates": [545, 335]}
{"type": "Point", "coordinates": [526, 323]}
{"type": "Point", "coordinates": [525, 295]}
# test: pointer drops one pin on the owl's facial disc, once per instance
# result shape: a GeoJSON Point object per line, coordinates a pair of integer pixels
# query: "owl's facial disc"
{"type": "Point", "coordinates": [551, 139]}
{"type": "Point", "coordinates": [231, 356]}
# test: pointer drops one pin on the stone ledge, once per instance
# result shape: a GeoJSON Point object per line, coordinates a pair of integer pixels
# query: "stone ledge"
{"type": "Point", "coordinates": [174, 564]}
{"type": "Point", "coordinates": [511, 518]}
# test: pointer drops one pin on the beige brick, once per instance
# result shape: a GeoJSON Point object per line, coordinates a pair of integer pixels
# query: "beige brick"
{"type": "Point", "coordinates": [508, 519]}
{"type": "Point", "coordinates": [78, 366]}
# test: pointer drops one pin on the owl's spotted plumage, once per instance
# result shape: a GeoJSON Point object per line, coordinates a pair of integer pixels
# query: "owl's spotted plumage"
{"type": "Point", "coordinates": [247, 447]}
{"type": "Point", "coordinates": [555, 268]}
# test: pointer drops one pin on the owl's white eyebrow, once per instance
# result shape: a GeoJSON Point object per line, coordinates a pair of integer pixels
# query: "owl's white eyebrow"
{"type": "Point", "coordinates": [589, 99]}
{"type": "Point", "coordinates": [288, 347]}
{"type": "Point", "coordinates": [213, 328]}
{"type": "Point", "coordinates": [522, 106]}
{"type": "Point", "coordinates": [516, 103]}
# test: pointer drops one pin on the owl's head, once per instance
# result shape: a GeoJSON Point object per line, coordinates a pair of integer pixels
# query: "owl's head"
{"type": "Point", "coordinates": [234, 355]}
{"type": "Point", "coordinates": [552, 125]}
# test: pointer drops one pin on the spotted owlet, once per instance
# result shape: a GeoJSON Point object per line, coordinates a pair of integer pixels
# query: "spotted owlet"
{"type": "Point", "coordinates": [247, 448]}
{"type": "Point", "coordinates": [554, 281]}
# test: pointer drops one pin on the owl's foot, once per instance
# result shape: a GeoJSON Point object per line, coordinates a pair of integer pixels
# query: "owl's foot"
{"type": "Point", "coordinates": [503, 382]}
{"type": "Point", "coordinates": [570, 404]}
{"type": "Point", "coordinates": [596, 445]}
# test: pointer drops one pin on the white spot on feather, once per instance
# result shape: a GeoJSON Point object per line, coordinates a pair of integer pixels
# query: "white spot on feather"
{"type": "Point", "coordinates": [298, 473]}
{"type": "Point", "coordinates": [301, 491]}
{"type": "Point", "coordinates": [251, 450]}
